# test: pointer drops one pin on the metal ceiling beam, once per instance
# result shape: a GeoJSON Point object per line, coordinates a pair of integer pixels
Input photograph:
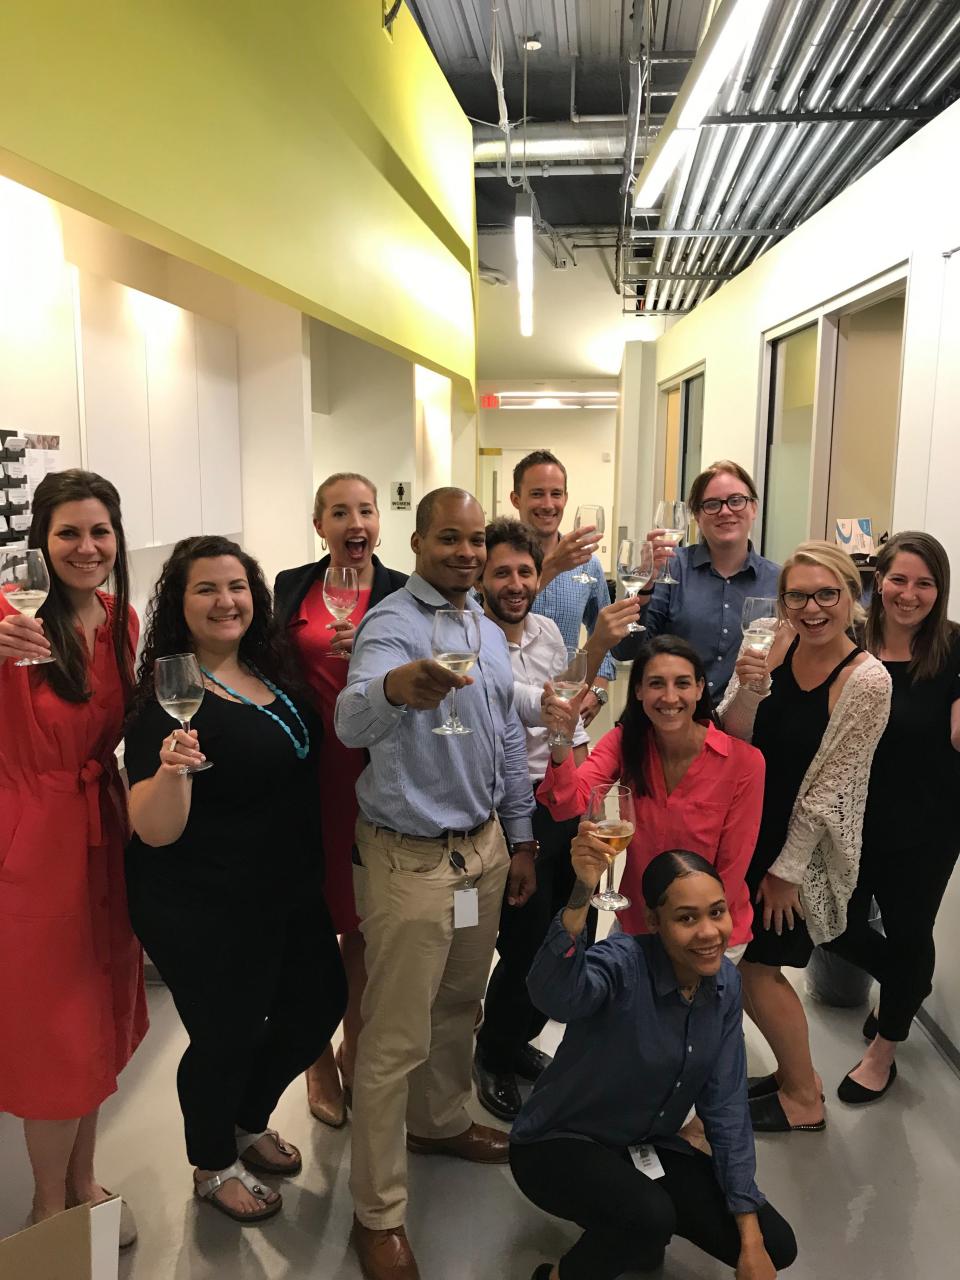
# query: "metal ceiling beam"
{"type": "Point", "coordinates": [892, 114]}
{"type": "Point", "coordinates": [704, 233]}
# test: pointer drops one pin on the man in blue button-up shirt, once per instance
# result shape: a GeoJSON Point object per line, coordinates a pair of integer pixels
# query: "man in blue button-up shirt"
{"type": "Point", "coordinates": [431, 866]}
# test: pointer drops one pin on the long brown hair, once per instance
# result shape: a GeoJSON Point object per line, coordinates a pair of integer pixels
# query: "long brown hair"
{"type": "Point", "coordinates": [68, 675]}
{"type": "Point", "coordinates": [930, 646]}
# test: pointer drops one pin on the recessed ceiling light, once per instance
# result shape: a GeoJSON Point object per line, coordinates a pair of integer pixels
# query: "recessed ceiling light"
{"type": "Point", "coordinates": [532, 43]}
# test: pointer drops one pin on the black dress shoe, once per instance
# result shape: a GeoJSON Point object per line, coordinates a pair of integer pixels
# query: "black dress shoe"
{"type": "Point", "coordinates": [497, 1091]}
{"type": "Point", "coordinates": [871, 1029]}
{"type": "Point", "coordinates": [768, 1116]}
{"type": "Point", "coordinates": [542, 1272]}
{"type": "Point", "coordinates": [761, 1086]}
{"type": "Point", "coordinates": [855, 1095]}
{"type": "Point", "coordinates": [530, 1063]}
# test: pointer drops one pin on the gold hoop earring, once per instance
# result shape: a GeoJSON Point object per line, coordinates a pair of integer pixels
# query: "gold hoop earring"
{"type": "Point", "coordinates": [323, 543]}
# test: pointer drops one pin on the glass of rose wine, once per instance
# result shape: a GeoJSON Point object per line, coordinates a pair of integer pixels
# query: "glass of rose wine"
{"type": "Point", "coordinates": [25, 584]}
{"type": "Point", "coordinates": [611, 808]}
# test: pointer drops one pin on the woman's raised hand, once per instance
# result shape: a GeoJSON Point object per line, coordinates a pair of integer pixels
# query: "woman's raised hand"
{"type": "Point", "coordinates": [753, 669]}
{"type": "Point", "coordinates": [179, 750]}
{"type": "Point", "coordinates": [558, 713]}
{"type": "Point", "coordinates": [343, 638]}
{"type": "Point", "coordinates": [22, 637]}
{"type": "Point", "coordinates": [589, 854]}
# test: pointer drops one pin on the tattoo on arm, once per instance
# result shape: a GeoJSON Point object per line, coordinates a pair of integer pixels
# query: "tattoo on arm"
{"type": "Point", "coordinates": [580, 896]}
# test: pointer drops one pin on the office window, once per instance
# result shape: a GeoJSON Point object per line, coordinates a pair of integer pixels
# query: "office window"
{"type": "Point", "coordinates": [786, 507]}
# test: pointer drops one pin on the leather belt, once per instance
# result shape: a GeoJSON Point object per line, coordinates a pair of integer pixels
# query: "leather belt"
{"type": "Point", "coordinates": [444, 836]}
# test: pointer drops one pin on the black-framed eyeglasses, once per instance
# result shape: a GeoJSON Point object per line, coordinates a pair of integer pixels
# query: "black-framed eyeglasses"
{"type": "Point", "coordinates": [826, 598]}
{"type": "Point", "coordinates": [736, 502]}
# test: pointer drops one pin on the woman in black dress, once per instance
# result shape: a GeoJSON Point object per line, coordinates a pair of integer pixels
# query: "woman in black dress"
{"type": "Point", "coordinates": [815, 707]}
{"type": "Point", "coordinates": [911, 831]}
{"type": "Point", "coordinates": [223, 879]}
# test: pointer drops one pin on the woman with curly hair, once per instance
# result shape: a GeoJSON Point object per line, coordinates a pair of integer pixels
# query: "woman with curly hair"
{"type": "Point", "coordinates": [72, 1008]}
{"type": "Point", "coordinates": [224, 883]}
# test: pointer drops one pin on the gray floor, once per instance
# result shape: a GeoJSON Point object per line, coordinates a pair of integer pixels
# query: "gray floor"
{"type": "Point", "coordinates": [877, 1196]}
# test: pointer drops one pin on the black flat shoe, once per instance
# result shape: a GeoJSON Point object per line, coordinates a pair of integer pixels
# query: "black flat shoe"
{"type": "Point", "coordinates": [761, 1086]}
{"type": "Point", "coordinates": [543, 1271]}
{"type": "Point", "coordinates": [768, 1116]}
{"type": "Point", "coordinates": [856, 1095]}
{"type": "Point", "coordinates": [497, 1091]}
{"type": "Point", "coordinates": [871, 1029]}
{"type": "Point", "coordinates": [530, 1063]}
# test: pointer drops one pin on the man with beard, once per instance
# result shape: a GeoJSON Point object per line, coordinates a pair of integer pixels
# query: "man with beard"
{"type": "Point", "coordinates": [510, 582]}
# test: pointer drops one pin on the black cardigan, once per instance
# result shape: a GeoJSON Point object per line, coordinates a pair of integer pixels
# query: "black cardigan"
{"type": "Point", "coordinates": [292, 585]}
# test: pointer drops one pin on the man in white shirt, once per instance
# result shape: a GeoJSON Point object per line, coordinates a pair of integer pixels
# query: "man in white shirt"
{"type": "Point", "coordinates": [538, 653]}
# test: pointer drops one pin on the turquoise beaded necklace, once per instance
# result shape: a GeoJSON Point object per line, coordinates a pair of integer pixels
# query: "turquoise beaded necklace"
{"type": "Point", "coordinates": [302, 750]}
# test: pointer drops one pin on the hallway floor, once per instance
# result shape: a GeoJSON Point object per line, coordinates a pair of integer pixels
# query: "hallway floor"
{"type": "Point", "coordinates": [874, 1198]}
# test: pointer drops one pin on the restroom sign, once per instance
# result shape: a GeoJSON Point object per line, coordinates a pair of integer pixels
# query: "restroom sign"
{"type": "Point", "coordinates": [401, 495]}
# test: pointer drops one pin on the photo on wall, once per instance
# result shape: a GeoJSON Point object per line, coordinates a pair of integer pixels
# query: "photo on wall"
{"type": "Point", "coordinates": [25, 458]}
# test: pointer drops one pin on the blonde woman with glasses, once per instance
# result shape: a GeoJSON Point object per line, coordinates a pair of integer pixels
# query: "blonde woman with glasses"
{"type": "Point", "coordinates": [815, 707]}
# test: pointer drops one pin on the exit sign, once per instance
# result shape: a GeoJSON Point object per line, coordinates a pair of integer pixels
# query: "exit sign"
{"type": "Point", "coordinates": [489, 402]}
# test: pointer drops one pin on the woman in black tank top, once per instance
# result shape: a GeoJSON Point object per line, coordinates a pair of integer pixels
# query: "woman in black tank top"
{"type": "Point", "coordinates": [797, 728]}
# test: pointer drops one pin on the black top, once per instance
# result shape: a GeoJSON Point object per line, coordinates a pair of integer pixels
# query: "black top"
{"type": "Point", "coordinates": [253, 824]}
{"type": "Point", "coordinates": [788, 731]}
{"type": "Point", "coordinates": [292, 585]}
{"type": "Point", "coordinates": [915, 774]}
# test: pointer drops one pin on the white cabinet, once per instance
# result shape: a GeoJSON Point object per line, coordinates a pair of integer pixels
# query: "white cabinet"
{"type": "Point", "coordinates": [218, 412]}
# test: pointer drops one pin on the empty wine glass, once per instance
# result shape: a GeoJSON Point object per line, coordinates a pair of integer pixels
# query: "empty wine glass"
{"type": "Point", "coordinates": [635, 567]}
{"type": "Point", "coordinates": [611, 808]}
{"type": "Point", "coordinates": [586, 517]}
{"type": "Point", "coordinates": [178, 684]}
{"type": "Point", "coordinates": [341, 592]}
{"type": "Point", "coordinates": [25, 583]}
{"type": "Point", "coordinates": [569, 681]}
{"type": "Point", "coordinates": [673, 518]}
{"type": "Point", "coordinates": [456, 646]}
{"type": "Point", "coordinates": [760, 623]}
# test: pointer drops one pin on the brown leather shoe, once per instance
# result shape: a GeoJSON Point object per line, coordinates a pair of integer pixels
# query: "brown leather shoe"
{"type": "Point", "coordinates": [384, 1255]}
{"type": "Point", "coordinates": [479, 1143]}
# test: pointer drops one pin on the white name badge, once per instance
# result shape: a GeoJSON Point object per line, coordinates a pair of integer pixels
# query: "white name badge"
{"type": "Point", "coordinates": [645, 1159]}
{"type": "Point", "coordinates": [466, 908]}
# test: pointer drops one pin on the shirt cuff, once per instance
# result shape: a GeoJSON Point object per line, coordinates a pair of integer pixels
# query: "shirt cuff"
{"type": "Point", "coordinates": [517, 829]}
{"type": "Point", "coordinates": [749, 1202]}
{"type": "Point", "coordinates": [558, 941]}
{"type": "Point", "coordinates": [380, 704]}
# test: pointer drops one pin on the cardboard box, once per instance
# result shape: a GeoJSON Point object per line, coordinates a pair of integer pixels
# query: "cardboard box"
{"type": "Point", "coordinates": [80, 1244]}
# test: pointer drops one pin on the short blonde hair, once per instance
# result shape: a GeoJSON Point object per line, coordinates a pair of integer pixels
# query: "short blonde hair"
{"type": "Point", "coordinates": [827, 555]}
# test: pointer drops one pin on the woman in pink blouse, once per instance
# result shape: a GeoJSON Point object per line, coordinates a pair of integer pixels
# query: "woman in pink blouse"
{"type": "Point", "coordinates": [694, 786]}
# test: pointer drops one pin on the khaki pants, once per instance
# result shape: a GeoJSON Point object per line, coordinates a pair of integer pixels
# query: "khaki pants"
{"type": "Point", "coordinates": [424, 982]}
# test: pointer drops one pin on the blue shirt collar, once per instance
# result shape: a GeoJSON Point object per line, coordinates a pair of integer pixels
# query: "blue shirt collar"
{"type": "Point", "coordinates": [664, 975]}
{"type": "Point", "coordinates": [422, 590]}
{"type": "Point", "coordinates": [701, 557]}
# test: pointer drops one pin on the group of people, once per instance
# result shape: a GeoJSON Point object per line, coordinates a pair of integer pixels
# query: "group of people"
{"type": "Point", "coordinates": [769, 794]}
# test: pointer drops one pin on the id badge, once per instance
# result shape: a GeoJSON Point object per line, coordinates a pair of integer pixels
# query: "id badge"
{"type": "Point", "coordinates": [645, 1159]}
{"type": "Point", "coordinates": [466, 908]}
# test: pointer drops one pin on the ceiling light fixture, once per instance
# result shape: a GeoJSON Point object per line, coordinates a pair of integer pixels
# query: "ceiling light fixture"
{"type": "Point", "coordinates": [532, 43]}
{"type": "Point", "coordinates": [737, 20]}
{"type": "Point", "coordinates": [523, 242]}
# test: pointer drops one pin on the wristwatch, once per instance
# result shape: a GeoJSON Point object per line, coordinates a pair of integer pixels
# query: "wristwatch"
{"type": "Point", "coordinates": [525, 846]}
{"type": "Point", "coordinates": [600, 694]}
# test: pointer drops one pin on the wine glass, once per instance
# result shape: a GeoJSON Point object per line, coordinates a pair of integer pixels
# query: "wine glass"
{"type": "Point", "coordinates": [760, 623]}
{"type": "Point", "coordinates": [456, 646]}
{"type": "Point", "coordinates": [341, 592]}
{"type": "Point", "coordinates": [585, 517]}
{"type": "Point", "coordinates": [635, 567]}
{"type": "Point", "coordinates": [25, 583]}
{"type": "Point", "coordinates": [611, 808]}
{"type": "Point", "coordinates": [569, 681]}
{"type": "Point", "coordinates": [178, 684]}
{"type": "Point", "coordinates": [672, 518]}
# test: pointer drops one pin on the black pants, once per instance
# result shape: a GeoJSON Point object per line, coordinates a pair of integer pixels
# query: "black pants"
{"type": "Point", "coordinates": [908, 885]}
{"type": "Point", "coordinates": [628, 1218]}
{"type": "Point", "coordinates": [509, 1017]}
{"type": "Point", "coordinates": [260, 992]}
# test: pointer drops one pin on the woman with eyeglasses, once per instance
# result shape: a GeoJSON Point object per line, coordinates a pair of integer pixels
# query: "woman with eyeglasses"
{"type": "Point", "coordinates": [714, 575]}
{"type": "Point", "coordinates": [909, 631]}
{"type": "Point", "coordinates": [815, 707]}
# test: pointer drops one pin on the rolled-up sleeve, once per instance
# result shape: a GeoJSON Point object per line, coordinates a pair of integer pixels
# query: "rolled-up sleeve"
{"type": "Point", "coordinates": [599, 599]}
{"type": "Point", "coordinates": [363, 715]}
{"type": "Point", "coordinates": [516, 808]}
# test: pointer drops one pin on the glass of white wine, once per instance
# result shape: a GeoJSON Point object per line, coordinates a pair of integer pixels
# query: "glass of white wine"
{"type": "Point", "coordinates": [611, 808]}
{"type": "Point", "coordinates": [586, 517]}
{"type": "Point", "coordinates": [25, 583]}
{"type": "Point", "coordinates": [760, 623]}
{"type": "Point", "coordinates": [635, 567]}
{"type": "Point", "coordinates": [673, 518]}
{"type": "Point", "coordinates": [178, 684]}
{"type": "Point", "coordinates": [341, 592]}
{"type": "Point", "coordinates": [568, 683]}
{"type": "Point", "coordinates": [456, 646]}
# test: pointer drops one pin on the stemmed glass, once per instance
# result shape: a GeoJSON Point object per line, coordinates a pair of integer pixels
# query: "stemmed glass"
{"type": "Point", "coordinates": [611, 808]}
{"type": "Point", "coordinates": [25, 583]}
{"type": "Point", "coordinates": [456, 646]}
{"type": "Point", "coordinates": [672, 518]}
{"type": "Point", "coordinates": [587, 516]}
{"type": "Point", "coordinates": [178, 684]}
{"type": "Point", "coordinates": [635, 567]}
{"type": "Point", "coordinates": [341, 592]}
{"type": "Point", "coordinates": [760, 623]}
{"type": "Point", "coordinates": [568, 682]}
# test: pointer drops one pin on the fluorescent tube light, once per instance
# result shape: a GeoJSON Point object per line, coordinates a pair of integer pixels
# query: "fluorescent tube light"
{"type": "Point", "coordinates": [523, 241]}
{"type": "Point", "coordinates": [654, 177]}
{"type": "Point", "coordinates": [743, 19]}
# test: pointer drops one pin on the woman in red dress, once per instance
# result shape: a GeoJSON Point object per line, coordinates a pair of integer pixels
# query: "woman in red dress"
{"type": "Point", "coordinates": [72, 1007]}
{"type": "Point", "coordinates": [346, 517]}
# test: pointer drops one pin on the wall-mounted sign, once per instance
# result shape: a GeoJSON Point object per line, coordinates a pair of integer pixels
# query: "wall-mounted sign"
{"type": "Point", "coordinates": [401, 495]}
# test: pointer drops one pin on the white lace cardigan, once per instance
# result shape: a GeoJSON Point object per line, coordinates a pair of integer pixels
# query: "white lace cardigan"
{"type": "Point", "coordinates": [822, 849]}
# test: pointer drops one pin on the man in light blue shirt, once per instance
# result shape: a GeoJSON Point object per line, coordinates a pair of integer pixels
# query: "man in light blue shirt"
{"type": "Point", "coordinates": [430, 869]}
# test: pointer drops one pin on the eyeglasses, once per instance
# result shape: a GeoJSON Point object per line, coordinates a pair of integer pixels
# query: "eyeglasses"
{"type": "Point", "coordinates": [736, 502]}
{"type": "Point", "coordinates": [826, 598]}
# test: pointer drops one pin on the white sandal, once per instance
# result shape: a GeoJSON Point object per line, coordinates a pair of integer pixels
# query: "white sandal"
{"type": "Point", "coordinates": [259, 1163]}
{"type": "Point", "coordinates": [207, 1188]}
